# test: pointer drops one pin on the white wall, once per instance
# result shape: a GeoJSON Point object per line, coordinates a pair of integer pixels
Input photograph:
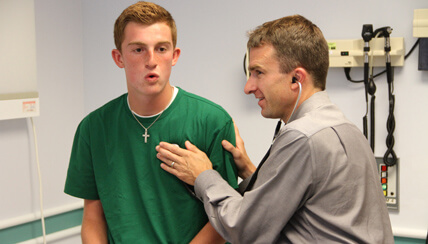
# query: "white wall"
{"type": "Point", "coordinates": [76, 75]}
{"type": "Point", "coordinates": [59, 43]}
{"type": "Point", "coordinates": [212, 36]}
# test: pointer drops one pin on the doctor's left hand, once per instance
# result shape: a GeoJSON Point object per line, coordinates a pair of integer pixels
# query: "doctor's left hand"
{"type": "Point", "coordinates": [185, 164]}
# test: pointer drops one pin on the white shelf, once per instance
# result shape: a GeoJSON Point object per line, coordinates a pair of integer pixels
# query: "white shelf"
{"type": "Point", "coordinates": [19, 105]}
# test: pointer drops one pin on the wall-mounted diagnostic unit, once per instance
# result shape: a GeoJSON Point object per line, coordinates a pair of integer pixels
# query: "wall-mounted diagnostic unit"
{"type": "Point", "coordinates": [389, 181]}
{"type": "Point", "coordinates": [350, 53]}
{"type": "Point", "coordinates": [376, 48]}
{"type": "Point", "coordinates": [19, 97]}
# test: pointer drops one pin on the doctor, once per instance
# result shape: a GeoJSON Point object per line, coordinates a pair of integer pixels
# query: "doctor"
{"type": "Point", "coordinates": [318, 182]}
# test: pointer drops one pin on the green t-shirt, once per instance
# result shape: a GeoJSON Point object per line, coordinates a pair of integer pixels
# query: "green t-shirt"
{"type": "Point", "coordinates": [143, 203]}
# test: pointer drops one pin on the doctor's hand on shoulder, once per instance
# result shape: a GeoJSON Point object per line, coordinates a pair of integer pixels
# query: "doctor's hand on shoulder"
{"type": "Point", "coordinates": [240, 156]}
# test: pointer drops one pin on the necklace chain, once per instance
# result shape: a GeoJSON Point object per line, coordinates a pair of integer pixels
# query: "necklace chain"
{"type": "Point", "coordinates": [145, 135]}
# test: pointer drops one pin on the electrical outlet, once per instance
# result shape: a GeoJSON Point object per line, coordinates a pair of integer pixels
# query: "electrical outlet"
{"type": "Point", "coordinates": [420, 22]}
{"type": "Point", "coordinates": [388, 177]}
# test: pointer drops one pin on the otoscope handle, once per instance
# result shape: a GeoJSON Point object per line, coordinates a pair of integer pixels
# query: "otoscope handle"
{"type": "Point", "coordinates": [365, 126]}
{"type": "Point", "coordinates": [366, 73]}
{"type": "Point", "coordinates": [389, 73]}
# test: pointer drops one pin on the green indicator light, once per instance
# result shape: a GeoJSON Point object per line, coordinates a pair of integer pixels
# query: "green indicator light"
{"type": "Point", "coordinates": [384, 186]}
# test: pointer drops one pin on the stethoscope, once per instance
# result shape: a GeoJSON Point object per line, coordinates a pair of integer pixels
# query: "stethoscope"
{"type": "Point", "coordinates": [277, 130]}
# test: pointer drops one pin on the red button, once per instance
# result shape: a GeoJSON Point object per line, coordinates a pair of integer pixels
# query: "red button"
{"type": "Point", "coordinates": [384, 168]}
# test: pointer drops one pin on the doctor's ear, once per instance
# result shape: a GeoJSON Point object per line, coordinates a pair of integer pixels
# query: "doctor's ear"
{"type": "Point", "coordinates": [299, 75]}
{"type": "Point", "coordinates": [295, 84]}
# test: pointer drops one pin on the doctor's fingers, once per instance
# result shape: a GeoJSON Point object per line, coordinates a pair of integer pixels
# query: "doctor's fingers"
{"type": "Point", "coordinates": [173, 148]}
{"type": "Point", "coordinates": [229, 147]}
{"type": "Point", "coordinates": [237, 152]}
{"type": "Point", "coordinates": [169, 158]}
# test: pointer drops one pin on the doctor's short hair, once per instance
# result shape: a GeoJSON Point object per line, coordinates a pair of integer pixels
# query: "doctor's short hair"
{"type": "Point", "coordinates": [145, 13]}
{"type": "Point", "coordinates": [298, 43]}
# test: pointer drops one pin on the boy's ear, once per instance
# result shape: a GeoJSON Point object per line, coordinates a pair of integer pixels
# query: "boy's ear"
{"type": "Point", "coordinates": [175, 55]}
{"type": "Point", "coordinates": [117, 58]}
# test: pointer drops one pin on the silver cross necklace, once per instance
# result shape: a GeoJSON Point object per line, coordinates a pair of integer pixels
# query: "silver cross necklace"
{"type": "Point", "coordinates": [146, 135]}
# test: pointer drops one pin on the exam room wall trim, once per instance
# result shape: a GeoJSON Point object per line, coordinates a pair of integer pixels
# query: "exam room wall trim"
{"type": "Point", "coordinates": [65, 228]}
{"type": "Point", "coordinates": [32, 217]}
{"type": "Point", "coordinates": [60, 227]}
